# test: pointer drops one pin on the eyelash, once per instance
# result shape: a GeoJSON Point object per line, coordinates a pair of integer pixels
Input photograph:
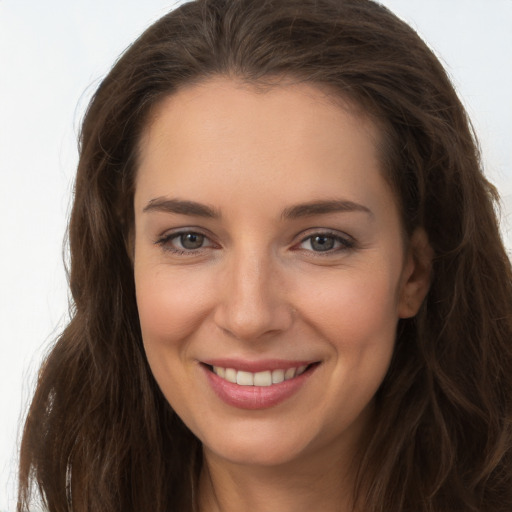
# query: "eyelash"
{"type": "Point", "coordinates": [344, 243]}
{"type": "Point", "coordinates": [165, 243]}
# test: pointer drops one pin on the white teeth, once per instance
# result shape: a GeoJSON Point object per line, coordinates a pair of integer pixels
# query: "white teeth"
{"type": "Point", "coordinates": [230, 375]}
{"type": "Point", "coordinates": [289, 374]}
{"type": "Point", "coordinates": [221, 372]}
{"type": "Point", "coordinates": [263, 379]}
{"type": "Point", "coordinates": [245, 378]}
{"type": "Point", "coordinates": [260, 379]}
{"type": "Point", "coordinates": [277, 376]}
{"type": "Point", "coordinates": [301, 370]}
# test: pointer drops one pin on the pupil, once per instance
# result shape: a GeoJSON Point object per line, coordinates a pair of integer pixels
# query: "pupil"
{"type": "Point", "coordinates": [191, 240]}
{"type": "Point", "coordinates": [322, 243]}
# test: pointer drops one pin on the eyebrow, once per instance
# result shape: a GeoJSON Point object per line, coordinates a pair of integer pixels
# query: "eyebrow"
{"type": "Point", "coordinates": [165, 205]}
{"type": "Point", "coordinates": [182, 207]}
{"type": "Point", "coordinates": [324, 207]}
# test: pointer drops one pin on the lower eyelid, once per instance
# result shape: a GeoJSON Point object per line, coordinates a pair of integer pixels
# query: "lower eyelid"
{"type": "Point", "coordinates": [344, 242]}
{"type": "Point", "coordinates": [167, 240]}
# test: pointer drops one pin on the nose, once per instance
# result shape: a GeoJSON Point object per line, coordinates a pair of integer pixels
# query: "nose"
{"type": "Point", "coordinates": [253, 304]}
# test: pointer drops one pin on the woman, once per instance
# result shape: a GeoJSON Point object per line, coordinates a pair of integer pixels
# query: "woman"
{"type": "Point", "coordinates": [289, 288]}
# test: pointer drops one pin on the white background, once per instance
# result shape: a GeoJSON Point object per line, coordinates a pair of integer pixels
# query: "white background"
{"type": "Point", "coordinates": [52, 56]}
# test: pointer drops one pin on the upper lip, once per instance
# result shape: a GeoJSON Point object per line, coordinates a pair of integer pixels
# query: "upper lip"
{"type": "Point", "coordinates": [257, 366]}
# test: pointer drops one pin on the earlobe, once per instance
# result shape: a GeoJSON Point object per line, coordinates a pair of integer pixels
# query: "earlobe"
{"type": "Point", "coordinates": [417, 274]}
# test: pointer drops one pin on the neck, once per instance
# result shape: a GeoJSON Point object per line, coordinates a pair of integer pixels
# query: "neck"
{"type": "Point", "coordinates": [298, 486]}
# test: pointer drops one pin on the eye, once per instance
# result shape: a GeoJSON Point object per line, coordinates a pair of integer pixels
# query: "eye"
{"type": "Point", "coordinates": [184, 242]}
{"type": "Point", "coordinates": [326, 242]}
{"type": "Point", "coordinates": [190, 241]}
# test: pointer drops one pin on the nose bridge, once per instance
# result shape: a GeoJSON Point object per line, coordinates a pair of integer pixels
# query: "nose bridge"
{"type": "Point", "coordinates": [253, 302]}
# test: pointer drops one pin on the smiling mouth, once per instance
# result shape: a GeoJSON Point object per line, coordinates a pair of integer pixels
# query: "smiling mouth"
{"type": "Point", "coordinates": [259, 379]}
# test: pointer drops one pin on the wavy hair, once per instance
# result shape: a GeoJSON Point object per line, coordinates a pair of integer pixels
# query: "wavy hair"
{"type": "Point", "coordinates": [99, 434]}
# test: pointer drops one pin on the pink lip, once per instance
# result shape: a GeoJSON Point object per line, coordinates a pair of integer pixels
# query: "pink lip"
{"type": "Point", "coordinates": [255, 397]}
{"type": "Point", "coordinates": [256, 366]}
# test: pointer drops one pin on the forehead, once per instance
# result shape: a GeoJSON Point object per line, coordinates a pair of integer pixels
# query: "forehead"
{"type": "Point", "coordinates": [196, 108]}
{"type": "Point", "coordinates": [221, 133]}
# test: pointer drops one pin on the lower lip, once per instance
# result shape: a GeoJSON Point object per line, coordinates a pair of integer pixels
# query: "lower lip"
{"type": "Point", "coordinates": [255, 397]}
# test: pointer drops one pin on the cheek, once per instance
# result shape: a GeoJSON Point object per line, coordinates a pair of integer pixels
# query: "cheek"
{"type": "Point", "coordinates": [170, 305]}
{"type": "Point", "coordinates": [353, 309]}
{"type": "Point", "coordinates": [357, 317]}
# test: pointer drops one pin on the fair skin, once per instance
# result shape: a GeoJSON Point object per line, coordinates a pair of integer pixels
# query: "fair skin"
{"type": "Point", "coordinates": [266, 240]}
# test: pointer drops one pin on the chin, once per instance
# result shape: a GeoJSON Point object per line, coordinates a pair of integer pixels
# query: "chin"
{"type": "Point", "coordinates": [257, 454]}
{"type": "Point", "coordinates": [266, 443]}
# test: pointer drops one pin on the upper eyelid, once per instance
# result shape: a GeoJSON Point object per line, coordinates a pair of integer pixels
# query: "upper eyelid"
{"type": "Point", "coordinates": [304, 235]}
{"type": "Point", "coordinates": [299, 238]}
{"type": "Point", "coordinates": [167, 240]}
{"type": "Point", "coordinates": [346, 242]}
{"type": "Point", "coordinates": [169, 233]}
{"type": "Point", "coordinates": [341, 239]}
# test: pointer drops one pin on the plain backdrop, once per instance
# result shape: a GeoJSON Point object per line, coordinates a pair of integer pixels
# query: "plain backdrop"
{"type": "Point", "coordinates": [53, 55]}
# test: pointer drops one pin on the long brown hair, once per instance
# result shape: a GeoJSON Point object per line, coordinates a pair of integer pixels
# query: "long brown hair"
{"type": "Point", "coordinates": [100, 435]}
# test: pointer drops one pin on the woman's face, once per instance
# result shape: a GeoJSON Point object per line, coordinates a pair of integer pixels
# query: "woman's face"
{"type": "Point", "coordinates": [270, 268]}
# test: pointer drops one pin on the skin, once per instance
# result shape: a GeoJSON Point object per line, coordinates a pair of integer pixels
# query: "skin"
{"type": "Point", "coordinates": [259, 288]}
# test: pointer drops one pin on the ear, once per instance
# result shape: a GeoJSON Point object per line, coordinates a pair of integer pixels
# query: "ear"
{"type": "Point", "coordinates": [416, 274]}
